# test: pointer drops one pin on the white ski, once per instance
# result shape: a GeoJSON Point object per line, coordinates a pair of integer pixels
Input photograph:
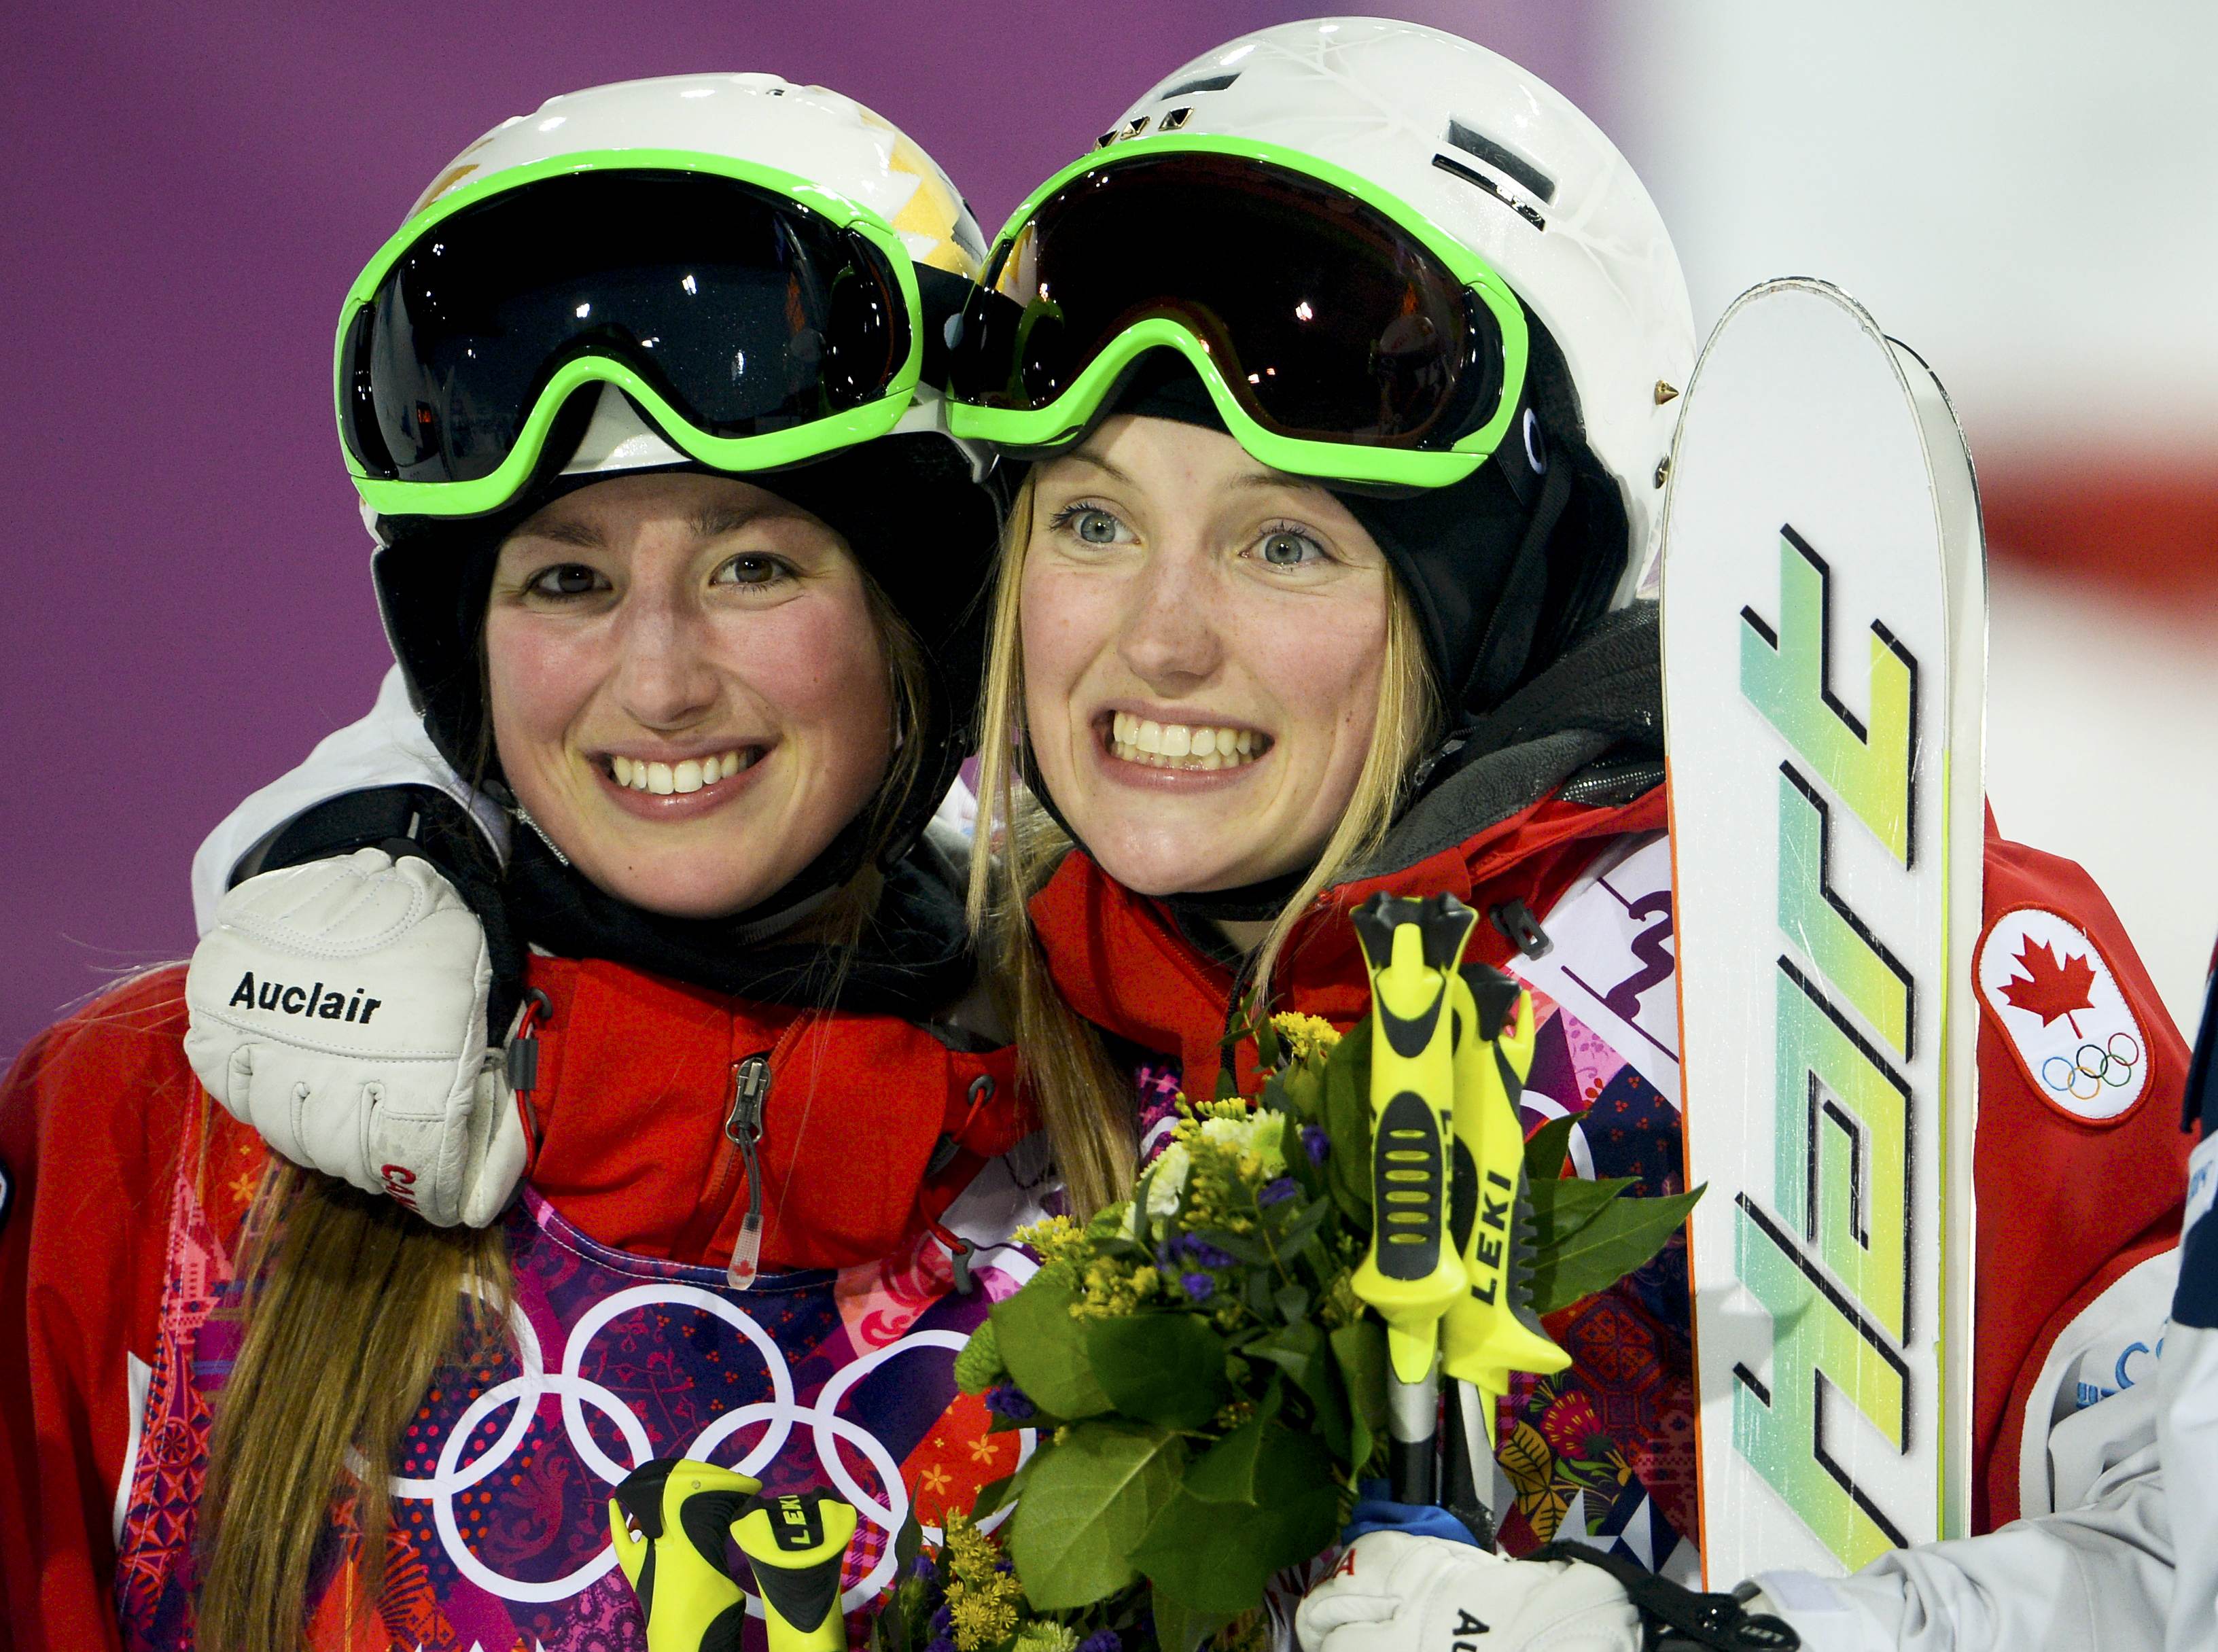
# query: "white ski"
{"type": "Point", "coordinates": [1824, 664]}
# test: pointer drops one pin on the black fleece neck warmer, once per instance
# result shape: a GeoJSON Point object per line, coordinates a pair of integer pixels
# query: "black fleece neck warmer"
{"type": "Point", "coordinates": [912, 960]}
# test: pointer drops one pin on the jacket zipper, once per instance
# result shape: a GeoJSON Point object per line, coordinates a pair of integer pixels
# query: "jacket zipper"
{"type": "Point", "coordinates": [743, 1127]}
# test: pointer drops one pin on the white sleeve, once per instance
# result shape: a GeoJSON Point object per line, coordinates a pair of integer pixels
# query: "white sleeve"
{"type": "Point", "coordinates": [2093, 1578]}
{"type": "Point", "coordinates": [389, 747]}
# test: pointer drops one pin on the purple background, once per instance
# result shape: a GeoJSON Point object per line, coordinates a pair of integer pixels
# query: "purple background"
{"type": "Point", "coordinates": [188, 191]}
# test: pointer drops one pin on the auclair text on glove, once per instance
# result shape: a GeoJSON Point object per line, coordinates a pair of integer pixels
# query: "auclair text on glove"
{"type": "Point", "coordinates": [308, 1001]}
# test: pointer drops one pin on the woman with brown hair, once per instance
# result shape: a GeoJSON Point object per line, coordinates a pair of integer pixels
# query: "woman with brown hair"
{"type": "Point", "coordinates": [760, 1109]}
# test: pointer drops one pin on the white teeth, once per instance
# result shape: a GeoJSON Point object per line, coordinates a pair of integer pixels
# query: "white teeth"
{"type": "Point", "coordinates": [659, 780]}
{"type": "Point", "coordinates": [621, 766]}
{"type": "Point", "coordinates": [639, 776]}
{"type": "Point", "coordinates": [690, 775]}
{"type": "Point", "coordinates": [1134, 738]}
{"type": "Point", "coordinates": [686, 776]}
{"type": "Point", "coordinates": [728, 765]}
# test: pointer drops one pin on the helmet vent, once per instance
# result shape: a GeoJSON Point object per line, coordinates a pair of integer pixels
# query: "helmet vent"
{"type": "Point", "coordinates": [1536, 182]}
{"type": "Point", "coordinates": [1174, 119]}
{"type": "Point", "coordinates": [1206, 84]}
{"type": "Point", "coordinates": [1509, 198]}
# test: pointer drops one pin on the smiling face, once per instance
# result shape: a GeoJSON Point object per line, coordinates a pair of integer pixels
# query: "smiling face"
{"type": "Point", "coordinates": [688, 691]}
{"type": "Point", "coordinates": [1203, 640]}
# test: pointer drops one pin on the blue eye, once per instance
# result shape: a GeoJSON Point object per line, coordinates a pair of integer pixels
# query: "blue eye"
{"type": "Point", "coordinates": [1284, 548]}
{"type": "Point", "coordinates": [1090, 525]}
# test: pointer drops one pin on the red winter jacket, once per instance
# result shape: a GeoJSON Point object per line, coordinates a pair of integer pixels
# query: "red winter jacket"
{"type": "Point", "coordinates": [634, 1085]}
{"type": "Point", "coordinates": [2067, 1204]}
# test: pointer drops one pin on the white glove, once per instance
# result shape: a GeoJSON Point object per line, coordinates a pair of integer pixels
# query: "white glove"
{"type": "Point", "coordinates": [1396, 1593]}
{"type": "Point", "coordinates": [338, 1009]}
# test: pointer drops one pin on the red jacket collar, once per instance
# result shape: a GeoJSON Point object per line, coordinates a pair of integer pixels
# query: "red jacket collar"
{"type": "Point", "coordinates": [1119, 961]}
{"type": "Point", "coordinates": [634, 1084]}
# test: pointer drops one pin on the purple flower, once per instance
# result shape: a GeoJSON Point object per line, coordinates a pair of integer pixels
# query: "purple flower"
{"type": "Point", "coordinates": [1008, 1399]}
{"type": "Point", "coordinates": [940, 1644]}
{"type": "Point", "coordinates": [1103, 1640]}
{"type": "Point", "coordinates": [943, 1622]}
{"type": "Point", "coordinates": [1197, 1286]}
{"type": "Point", "coordinates": [1200, 1252]}
{"type": "Point", "coordinates": [1316, 1143]}
{"type": "Point", "coordinates": [1276, 1193]}
{"type": "Point", "coordinates": [922, 1569]}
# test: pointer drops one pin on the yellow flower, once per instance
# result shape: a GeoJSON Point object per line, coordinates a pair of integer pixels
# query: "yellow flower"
{"type": "Point", "coordinates": [1307, 1036]}
{"type": "Point", "coordinates": [980, 1618]}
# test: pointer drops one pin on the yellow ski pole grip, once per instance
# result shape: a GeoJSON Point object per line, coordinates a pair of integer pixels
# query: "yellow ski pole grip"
{"type": "Point", "coordinates": [669, 1520]}
{"type": "Point", "coordinates": [1410, 1273]}
{"type": "Point", "coordinates": [796, 1542]}
{"type": "Point", "coordinates": [1491, 1330]}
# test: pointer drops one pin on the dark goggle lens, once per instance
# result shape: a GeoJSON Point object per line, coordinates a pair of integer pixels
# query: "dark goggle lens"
{"type": "Point", "coordinates": [1329, 320]}
{"type": "Point", "coordinates": [748, 313]}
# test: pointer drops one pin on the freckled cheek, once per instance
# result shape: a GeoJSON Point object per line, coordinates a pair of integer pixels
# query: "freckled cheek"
{"type": "Point", "coordinates": [539, 679]}
{"type": "Point", "coordinates": [1063, 624]}
{"type": "Point", "coordinates": [818, 666]}
{"type": "Point", "coordinates": [1324, 676]}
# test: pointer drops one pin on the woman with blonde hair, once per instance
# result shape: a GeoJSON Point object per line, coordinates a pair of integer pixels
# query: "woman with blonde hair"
{"type": "Point", "coordinates": [760, 1110]}
{"type": "Point", "coordinates": [1346, 370]}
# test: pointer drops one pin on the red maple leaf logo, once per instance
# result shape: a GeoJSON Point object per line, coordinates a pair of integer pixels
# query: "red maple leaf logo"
{"type": "Point", "coordinates": [2049, 988]}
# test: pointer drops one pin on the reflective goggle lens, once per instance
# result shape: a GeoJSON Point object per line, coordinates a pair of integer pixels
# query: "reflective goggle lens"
{"type": "Point", "coordinates": [746, 311]}
{"type": "Point", "coordinates": [1329, 320]}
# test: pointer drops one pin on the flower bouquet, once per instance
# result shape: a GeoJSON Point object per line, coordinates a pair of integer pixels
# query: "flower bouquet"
{"type": "Point", "coordinates": [1205, 1387]}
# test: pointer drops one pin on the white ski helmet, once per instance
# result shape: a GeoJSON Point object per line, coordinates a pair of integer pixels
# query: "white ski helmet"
{"type": "Point", "coordinates": [1482, 152]}
{"type": "Point", "coordinates": [843, 172]}
{"type": "Point", "coordinates": [729, 272]}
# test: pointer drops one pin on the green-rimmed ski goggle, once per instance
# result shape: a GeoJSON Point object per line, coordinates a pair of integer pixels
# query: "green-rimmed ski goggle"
{"type": "Point", "coordinates": [1340, 334]}
{"type": "Point", "coordinates": [760, 320]}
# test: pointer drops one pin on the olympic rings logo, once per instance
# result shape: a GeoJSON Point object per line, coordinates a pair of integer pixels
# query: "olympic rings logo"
{"type": "Point", "coordinates": [781, 1414]}
{"type": "Point", "coordinates": [2092, 1067]}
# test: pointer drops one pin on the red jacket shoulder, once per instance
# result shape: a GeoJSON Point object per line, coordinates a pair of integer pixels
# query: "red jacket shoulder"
{"type": "Point", "coordinates": [2079, 1159]}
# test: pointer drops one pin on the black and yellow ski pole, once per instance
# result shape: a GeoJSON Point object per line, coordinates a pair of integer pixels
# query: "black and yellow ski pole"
{"type": "Point", "coordinates": [670, 1520]}
{"type": "Point", "coordinates": [1491, 1330]}
{"type": "Point", "coordinates": [1412, 1275]}
{"type": "Point", "coordinates": [796, 1542]}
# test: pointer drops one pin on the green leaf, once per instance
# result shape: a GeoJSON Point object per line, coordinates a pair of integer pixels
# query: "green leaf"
{"type": "Point", "coordinates": [1225, 1473]}
{"type": "Point", "coordinates": [1360, 1350]}
{"type": "Point", "coordinates": [1295, 1236]}
{"type": "Point", "coordinates": [978, 1367]}
{"type": "Point", "coordinates": [1159, 1368]}
{"type": "Point", "coordinates": [1299, 1349]}
{"type": "Point", "coordinates": [1301, 1090]}
{"type": "Point", "coordinates": [1308, 1176]}
{"type": "Point", "coordinates": [1087, 1501]}
{"type": "Point", "coordinates": [1045, 1349]}
{"type": "Point", "coordinates": [1240, 1247]}
{"type": "Point", "coordinates": [1266, 1040]}
{"type": "Point", "coordinates": [1347, 1122]}
{"type": "Point", "coordinates": [1609, 1246]}
{"type": "Point", "coordinates": [1563, 1206]}
{"type": "Point", "coordinates": [995, 1493]}
{"type": "Point", "coordinates": [1545, 1148]}
{"type": "Point", "coordinates": [1216, 1557]}
{"type": "Point", "coordinates": [1292, 1303]}
{"type": "Point", "coordinates": [1178, 1629]}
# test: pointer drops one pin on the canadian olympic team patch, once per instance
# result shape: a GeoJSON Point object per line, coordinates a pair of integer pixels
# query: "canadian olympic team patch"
{"type": "Point", "coordinates": [2051, 993]}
